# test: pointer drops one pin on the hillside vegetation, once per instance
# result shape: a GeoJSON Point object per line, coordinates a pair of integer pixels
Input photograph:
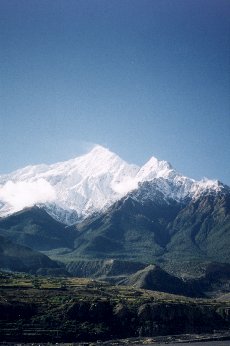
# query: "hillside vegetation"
{"type": "Point", "coordinates": [39, 309]}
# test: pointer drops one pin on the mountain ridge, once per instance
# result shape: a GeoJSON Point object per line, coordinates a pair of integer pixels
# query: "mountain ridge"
{"type": "Point", "coordinates": [72, 190]}
{"type": "Point", "coordinates": [149, 228]}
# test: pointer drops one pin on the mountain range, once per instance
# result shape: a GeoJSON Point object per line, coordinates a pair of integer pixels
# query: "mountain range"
{"type": "Point", "coordinates": [73, 190]}
{"type": "Point", "coordinates": [98, 208]}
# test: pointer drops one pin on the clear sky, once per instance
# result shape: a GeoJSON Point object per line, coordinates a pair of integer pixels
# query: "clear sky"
{"type": "Point", "coordinates": [141, 77]}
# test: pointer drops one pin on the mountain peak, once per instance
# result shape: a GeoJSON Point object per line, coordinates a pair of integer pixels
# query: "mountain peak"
{"type": "Point", "coordinates": [154, 168]}
{"type": "Point", "coordinates": [101, 153]}
{"type": "Point", "coordinates": [158, 164]}
{"type": "Point", "coordinates": [99, 149]}
{"type": "Point", "coordinates": [90, 183]}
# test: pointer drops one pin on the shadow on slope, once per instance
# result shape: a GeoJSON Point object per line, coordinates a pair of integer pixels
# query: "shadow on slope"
{"type": "Point", "coordinates": [35, 228]}
{"type": "Point", "coordinates": [20, 258]}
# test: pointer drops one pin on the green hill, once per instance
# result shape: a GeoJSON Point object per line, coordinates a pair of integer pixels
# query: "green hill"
{"type": "Point", "coordinates": [16, 257]}
{"type": "Point", "coordinates": [35, 228]}
{"type": "Point", "coordinates": [154, 278]}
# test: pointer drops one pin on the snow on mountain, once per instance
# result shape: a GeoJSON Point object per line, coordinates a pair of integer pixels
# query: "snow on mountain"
{"type": "Point", "coordinates": [90, 183]}
{"type": "Point", "coordinates": [154, 168]}
{"type": "Point", "coordinates": [83, 185]}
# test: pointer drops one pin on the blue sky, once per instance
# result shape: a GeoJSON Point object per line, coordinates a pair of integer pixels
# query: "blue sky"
{"type": "Point", "coordinates": [141, 77]}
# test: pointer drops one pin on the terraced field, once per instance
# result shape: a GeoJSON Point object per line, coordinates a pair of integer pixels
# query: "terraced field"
{"type": "Point", "coordinates": [41, 309]}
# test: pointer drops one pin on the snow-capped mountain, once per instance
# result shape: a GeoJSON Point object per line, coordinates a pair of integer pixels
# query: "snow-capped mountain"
{"type": "Point", "coordinates": [90, 183]}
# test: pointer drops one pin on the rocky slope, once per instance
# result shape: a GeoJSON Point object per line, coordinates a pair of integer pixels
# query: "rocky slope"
{"type": "Point", "coordinates": [202, 228]}
{"type": "Point", "coordinates": [109, 270]}
{"type": "Point", "coordinates": [154, 278]}
{"type": "Point", "coordinates": [145, 226]}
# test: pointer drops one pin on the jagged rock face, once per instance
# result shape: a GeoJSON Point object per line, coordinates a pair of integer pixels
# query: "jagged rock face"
{"type": "Point", "coordinates": [149, 319]}
{"type": "Point", "coordinates": [96, 312]}
{"type": "Point", "coordinates": [158, 319]}
{"type": "Point", "coordinates": [77, 188]}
